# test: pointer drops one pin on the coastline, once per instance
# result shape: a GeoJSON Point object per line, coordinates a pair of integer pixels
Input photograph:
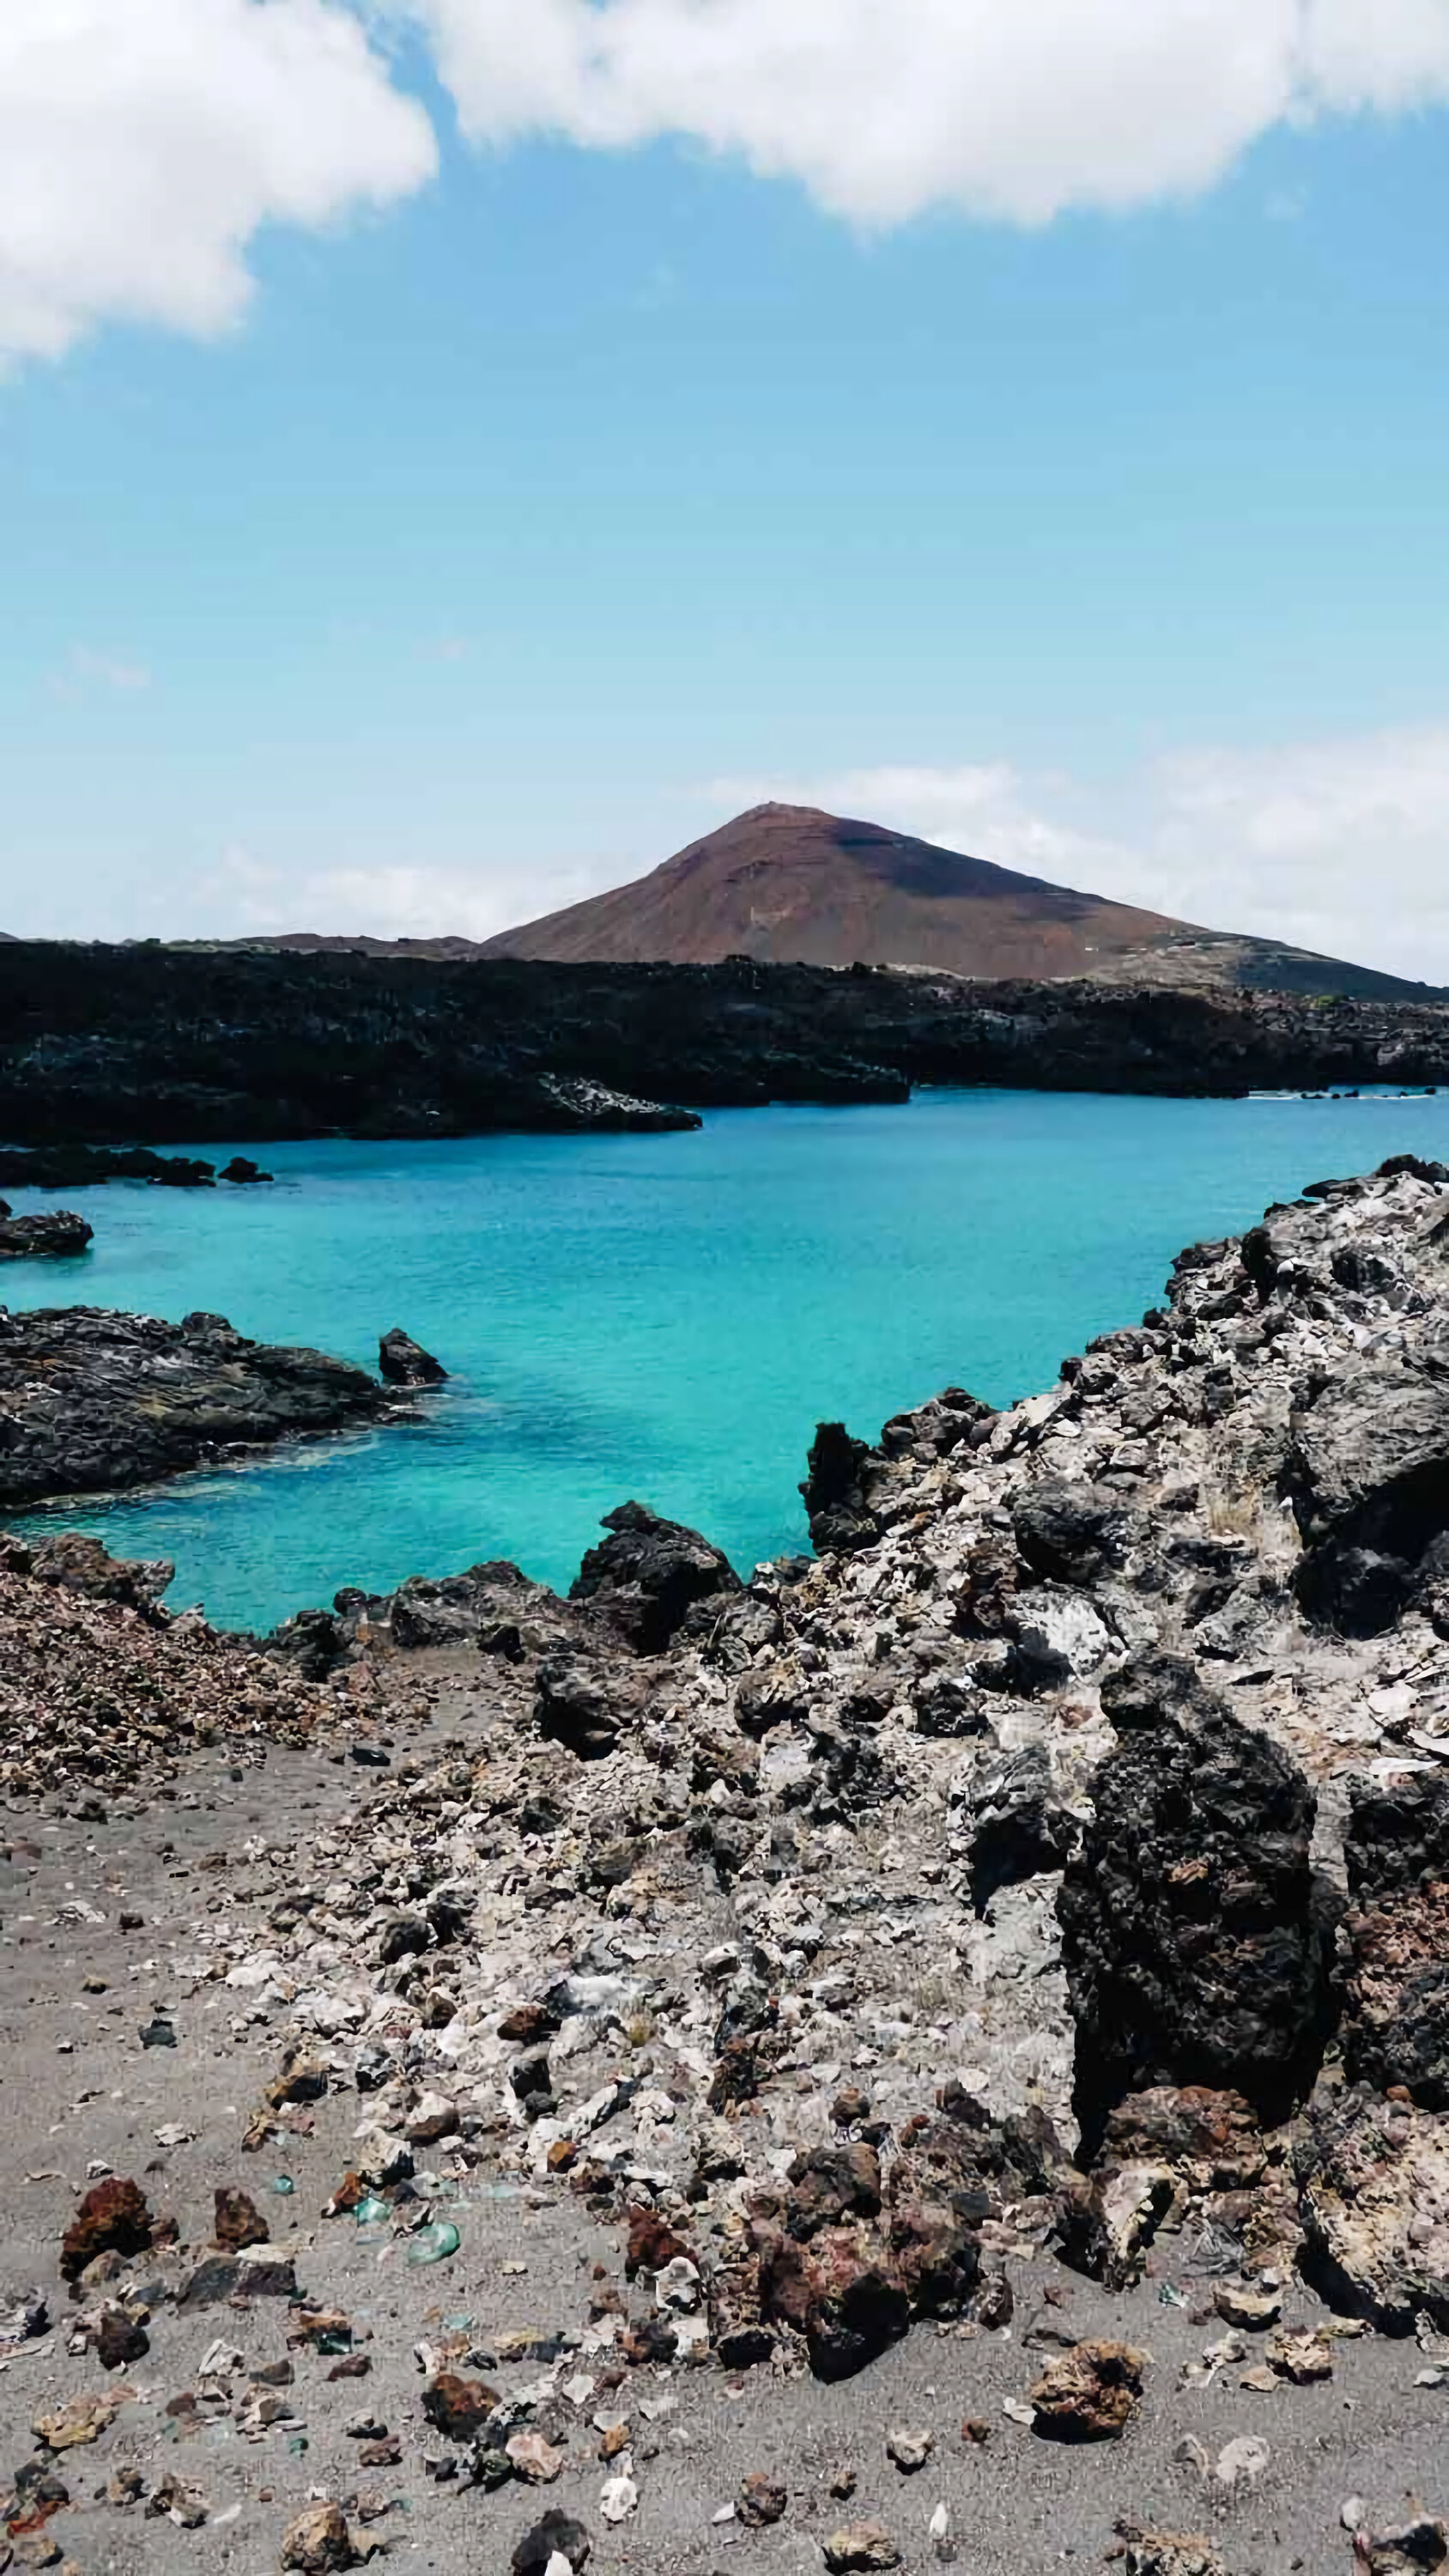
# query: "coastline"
{"type": "Point", "coordinates": [758, 1931]}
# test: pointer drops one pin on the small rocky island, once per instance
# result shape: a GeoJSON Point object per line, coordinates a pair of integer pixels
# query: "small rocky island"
{"type": "Point", "coordinates": [92, 1402]}
{"type": "Point", "coordinates": [936, 2053]}
{"type": "Point", "coordinates": [56, 1235]}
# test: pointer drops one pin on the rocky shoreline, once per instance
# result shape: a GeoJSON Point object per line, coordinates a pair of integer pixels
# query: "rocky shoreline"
{"type": "Point", "coordinates": [1015, 1938]}
{"type": "Point", "coordinates": [104, 1044]}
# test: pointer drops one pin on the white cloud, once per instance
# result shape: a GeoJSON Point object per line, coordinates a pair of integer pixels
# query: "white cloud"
{"type": "Point", "coordinates": [84, 669]}
{"type": "Point", "coordinates": [1016, 109]}
{"type": "Point", "coordinates": [245, 896]}
{"type": "Point", "coordinates": [144, 143]}
{"type": "Point", "coordinates": [1339, 846]}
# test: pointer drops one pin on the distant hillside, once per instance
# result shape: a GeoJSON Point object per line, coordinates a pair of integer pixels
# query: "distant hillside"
{"type": "Point", "coordinates": [789, 885]}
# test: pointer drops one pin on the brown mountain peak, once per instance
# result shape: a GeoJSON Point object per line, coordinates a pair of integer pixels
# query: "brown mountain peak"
{"type": "Point", "coordinates": [792, 884]}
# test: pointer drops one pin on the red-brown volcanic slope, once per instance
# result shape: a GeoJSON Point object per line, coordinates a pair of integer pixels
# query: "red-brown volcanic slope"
{"type": "Point", "coordinates": [788, 884]}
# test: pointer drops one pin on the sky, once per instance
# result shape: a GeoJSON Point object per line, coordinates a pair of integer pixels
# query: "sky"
{"type": "Point", "coordinates": [454, 452]}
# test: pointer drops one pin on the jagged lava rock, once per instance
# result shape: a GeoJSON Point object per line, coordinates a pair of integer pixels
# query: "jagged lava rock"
{"type": "Point", "coordinates": [56, 1235]}
{"type": "Point", "coordinates": [1396, 2015]}
{"type": "Point", "coordinates": [404, 1362]}
{"type": "Point", "coordinates": [1373, 2180]}
{"type": "Point", "coordinates": [649, 1574]}
{"type": "Point", "coordinates": [1193, 1933]}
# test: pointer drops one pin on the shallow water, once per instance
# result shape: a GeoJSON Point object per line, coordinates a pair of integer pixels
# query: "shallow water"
{"type": "Point", "coordinates": [663, 1316]}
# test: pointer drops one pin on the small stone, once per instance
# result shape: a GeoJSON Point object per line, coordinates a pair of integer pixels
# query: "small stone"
{"type": "Point", "coordinates": [119, 2337]}
{"type": "Point", "coordinates": [458, 2407]}
{"type": "Point", "coordinates": [238, 2220]}
{"type": "Point", "coordinates": [557, 2537]}
{"type": "Point", "coordinates": [432, 2117]}
{"type": "Point", "coordinates": [1300, 2357]}
{"type": "Point", "coordinates": [910, 2451]}
{"type": "Point", "coordinates": [82, 2419]}
{"type": "Point", "coordinates": [112, 2218]}
{"type": "Point", "coordinates": [177, 2501]}
{"type": "Point", "coordinates": [1090, 2394]}
{"type": "Point", "coordinates": [619, 2499]}
{"type": "Point", "coordinates": [533, 2458]}
{"type": "Point", "coordinates": [1239, 2305]}
{"type": "Point", "coordinates": [318, 2541]}
{"type": "Point", "coordinates": [859, 2548]}
{"type": "Point", "coordinates": [762, 2500]}
{"type": "Point", "coordinates": [264, 2272]}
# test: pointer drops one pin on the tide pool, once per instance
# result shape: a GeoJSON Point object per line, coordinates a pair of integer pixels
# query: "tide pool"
{"type": "Point", "coordinates": [662, 1316]}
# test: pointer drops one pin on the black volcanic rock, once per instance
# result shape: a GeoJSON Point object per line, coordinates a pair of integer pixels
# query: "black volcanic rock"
{"type": "Point", "coordinates": [1368, 1474]}
{"type": "Point", "coordinates": [1192, 1932]}
{"type": "Point", "coordinates": [404, 1362]}
{"type": "Point", "coordinates": [852, 1492]}
{"type": "Point", "coordinates": [92, 1401]}
{"type": "Point", "coordinates": [649, 1574]}
{"type": "Point", "coordinates": [70, 1165]}
{"type": "Point", "coordinates": [100, 1044]}
{"type": "Point", "coordinates": [55, 1236]}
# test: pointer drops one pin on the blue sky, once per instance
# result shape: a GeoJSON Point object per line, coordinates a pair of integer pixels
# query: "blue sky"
{"type": "Point", "coordinates": [513, 503]}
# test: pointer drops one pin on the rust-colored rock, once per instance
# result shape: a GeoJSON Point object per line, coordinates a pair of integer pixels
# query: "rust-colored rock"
{"type": "Point", "coordinates": [239, 2222]}
{"type": "Point", "coordinates": [652, 2243]}
{"type": "Point", "coordinates": [112, 2218]}
{"type": "Point", "coordinates": [458, 2407]}
{"type": "Point", "coordinates": [318, 2541]}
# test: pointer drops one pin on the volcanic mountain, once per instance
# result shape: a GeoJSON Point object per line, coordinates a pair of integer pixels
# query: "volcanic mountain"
{"type": "Point", "coordinates": [788, 884]}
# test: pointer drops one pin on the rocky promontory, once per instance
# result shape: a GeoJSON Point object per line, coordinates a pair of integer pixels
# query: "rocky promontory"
{"type": "Point", "coordinates": [92, 1401]}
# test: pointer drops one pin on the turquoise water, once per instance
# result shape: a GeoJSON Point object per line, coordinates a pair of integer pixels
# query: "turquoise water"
{"type": "Point", "coordinates": [664, 1316]}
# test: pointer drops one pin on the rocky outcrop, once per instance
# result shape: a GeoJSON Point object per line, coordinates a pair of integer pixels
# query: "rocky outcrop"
{"type": "Point", "coordinates": [492, 1607]}
{"type": "Point", "coordinates": [404, 1362]}
{"type": "Point", "coordinates": [650, 1575]}
{"type": "Point", "coordinates": [92, 1401]}
{"type": "Point", "coordinates": [1396, 1937]}
{"type": "Point", "coordinates": [1373, 2181]}
{"type": "Point", "coordinates": [1369, 1478]}
{"type": "Point", "coordinates": [852, 1492]}
{"type": "Point", "coordinates": [56, 1237]}
{"type": "Point", "coordinates": [76, 1563]}
{"type": "Point", "coordinates": [1193, 1939]}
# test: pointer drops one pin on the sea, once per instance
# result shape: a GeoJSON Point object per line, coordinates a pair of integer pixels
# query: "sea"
{"type": "Point", "coordinates": [661, 1317]}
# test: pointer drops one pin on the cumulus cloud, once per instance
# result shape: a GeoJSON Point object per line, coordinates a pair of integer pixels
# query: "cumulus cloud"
{"type": "Point", "coordinates": [144, 143]}
{"type": "Point", "coordinates": [1016, 109]}
{"type": "Point", "coordinates": [1337, 846]}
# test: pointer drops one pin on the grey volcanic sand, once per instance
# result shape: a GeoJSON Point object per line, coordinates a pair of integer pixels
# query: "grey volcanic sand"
{"type": "Point", "coordinates": [1018, 2505]}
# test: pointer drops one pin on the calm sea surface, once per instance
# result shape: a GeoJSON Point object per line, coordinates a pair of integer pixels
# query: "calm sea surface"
{"type": "Point", "coordinates": [663, 1316]}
